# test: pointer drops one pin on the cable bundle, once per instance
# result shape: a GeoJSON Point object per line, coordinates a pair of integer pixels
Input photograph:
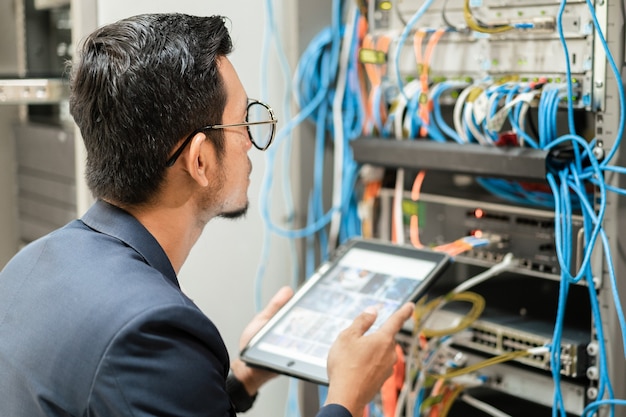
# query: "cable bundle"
{"type": "Point", "coordinates": [334, 94]}
{"type": "Point", "coordinates": [577, 167]}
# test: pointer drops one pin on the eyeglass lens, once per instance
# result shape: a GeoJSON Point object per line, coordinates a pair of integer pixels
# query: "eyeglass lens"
{"type": "Point", "coordinates": [261, 134]}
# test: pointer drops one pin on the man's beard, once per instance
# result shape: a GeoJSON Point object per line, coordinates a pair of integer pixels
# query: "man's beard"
{"type": "Point", "coordinates": [236, 213]}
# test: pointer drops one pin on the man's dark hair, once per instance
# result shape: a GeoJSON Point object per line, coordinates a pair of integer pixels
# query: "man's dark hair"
{"type": "Point", "coordinates": [138, 87]}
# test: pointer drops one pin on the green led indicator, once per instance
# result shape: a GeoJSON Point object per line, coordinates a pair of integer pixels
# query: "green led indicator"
{"type": "Point", "coordinates": [410, 207]}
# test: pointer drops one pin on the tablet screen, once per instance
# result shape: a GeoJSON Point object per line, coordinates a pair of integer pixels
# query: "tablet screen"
{"type": "Point", "coordinates": [366, 273]}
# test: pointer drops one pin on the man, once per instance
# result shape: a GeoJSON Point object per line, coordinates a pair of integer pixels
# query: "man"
{"type": "Point", "coordinates": [92, 319]}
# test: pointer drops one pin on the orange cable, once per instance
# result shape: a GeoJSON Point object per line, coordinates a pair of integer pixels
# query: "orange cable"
{"type": "Point", "coordinates": [425, 104]}
{"type": "Point", "coordinates": [370, 72]}
{"type": "Point", "coordinates": [438, 390]}
{"type": "Point", "coordinates": [450, 397]}
{"type": "Point", "coordinates": [375, 73]}
{"type": "Point", "coordinates": [362, 26]}
{"type": "Point", "coordinates": [414, 221]}
{"type": "Point", "coordinates": [370, 193]}
{"type": "Point", "coordinates": [392, 386]}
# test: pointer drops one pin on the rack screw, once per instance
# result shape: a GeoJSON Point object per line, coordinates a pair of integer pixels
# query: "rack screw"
{"type": "Point", "coordinates": [598, 152]}
{"type": "Point", "coordinates": [592, 393]}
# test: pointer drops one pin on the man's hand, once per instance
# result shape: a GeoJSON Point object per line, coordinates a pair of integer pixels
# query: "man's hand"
{"type": "Point", "coordinates": [359, 364]}
{"type": "Point", "coordinates": [253, 378]}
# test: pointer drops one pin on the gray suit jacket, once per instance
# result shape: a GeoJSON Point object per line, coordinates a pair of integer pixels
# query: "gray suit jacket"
{"type": "Point", "coordinates": [93, 323]}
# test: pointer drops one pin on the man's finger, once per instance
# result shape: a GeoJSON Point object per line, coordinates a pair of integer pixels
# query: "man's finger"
{"type": "Point", "coordinates": [277, 301]}
{"type": "Point", "coordinates": [395, 322]}
{"type": "Point", "coordinates": [363, 321]}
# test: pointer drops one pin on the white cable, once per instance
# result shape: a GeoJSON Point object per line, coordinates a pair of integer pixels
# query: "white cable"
{"type": "Point", "coordinates": [402, 121]}
{"type": "Point", "coordinates": [468, 112]}
{"type": "Point", "coordinates": [398, 193]}
{"type": "Point", "coordinates": [506, 264]}
{"type": "Point", "coordinates": [458, 111]}
{"type": "Point", "coordinates": [344, 58]}
{"type": "Point", "coordinates": [521, 123]}
{"type": "Point", "coordinates": [398, 224]}
{"type": "Point", "coordinates": [483, 406]}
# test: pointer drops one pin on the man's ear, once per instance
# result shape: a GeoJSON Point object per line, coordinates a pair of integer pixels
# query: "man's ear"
{"type": "Point", "coordinates": [200, 159]}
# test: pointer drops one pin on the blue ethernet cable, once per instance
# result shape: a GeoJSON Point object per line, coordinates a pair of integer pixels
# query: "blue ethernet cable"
{"type": "Point", "coordinates": [436, 93]}
{"type": "Point", "coordinates": [402, 40]}
{"type": "Point", "coordinates": [620, 87]}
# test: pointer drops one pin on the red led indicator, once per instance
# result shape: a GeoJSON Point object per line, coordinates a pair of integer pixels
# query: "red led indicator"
{"type": "Point", "coordinates": [479, 213]}
{"type": "Point", "coordinates": [477, 233]}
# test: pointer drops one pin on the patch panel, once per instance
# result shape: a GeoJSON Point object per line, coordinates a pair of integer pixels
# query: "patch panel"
{"type": "Point", "coordinates": [491, 336]}
{"type": "Point", "coordinates": [513, 383]}
{"type": "Point", "coordinates": [522, 52]}
{"type": "Point", "coordinates": [528, 233]}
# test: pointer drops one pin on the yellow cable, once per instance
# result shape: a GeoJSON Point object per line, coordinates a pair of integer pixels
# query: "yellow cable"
{"type": "Point", "coordinates": [423, 311]}
{"type": "Point", "coordinates": [474, 25]}
{"type": "Point", "coordinates": [450, 400]}
{"type": "Point", "coordinates": [480, 365]}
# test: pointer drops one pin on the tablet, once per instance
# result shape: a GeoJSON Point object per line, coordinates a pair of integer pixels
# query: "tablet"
{"type": "Point", "coordinates": [363, 273]}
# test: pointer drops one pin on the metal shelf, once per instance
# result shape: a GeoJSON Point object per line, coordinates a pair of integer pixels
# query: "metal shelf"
{"type": "Point", "coordinates": [33, 90]}
{"type": "Point", "coordinates": [510, 162]}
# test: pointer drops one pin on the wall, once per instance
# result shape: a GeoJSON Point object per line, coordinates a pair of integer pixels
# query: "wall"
{"type": "Point", "coordinates": [8, 115]}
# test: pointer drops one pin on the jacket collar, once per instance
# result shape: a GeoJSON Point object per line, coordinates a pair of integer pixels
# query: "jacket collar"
{"type": "Point", "coordinates": [113, 221]}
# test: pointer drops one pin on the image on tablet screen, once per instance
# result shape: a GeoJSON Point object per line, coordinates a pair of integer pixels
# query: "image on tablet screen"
{"type": "Point", "coordinates": [361, 278]}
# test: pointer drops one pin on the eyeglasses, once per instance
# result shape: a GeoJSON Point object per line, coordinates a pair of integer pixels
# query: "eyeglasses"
{"type": "Point", "coordinates": [260, 122]}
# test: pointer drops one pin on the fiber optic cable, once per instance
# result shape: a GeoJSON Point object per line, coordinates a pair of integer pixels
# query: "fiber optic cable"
{"type": "Point", "coordinates": [482, 406]}
{"type": "Point", "coordinates": [477, 26]}
{"type": "Point", "coordinates": [397, 231]}
{"type": "Point", "coordinates": [445, 394]}
{"type": "Point", "coordinates": [375, 69]}
{"type": "Point", "coordinates": [423, 313]}
{"type": "Point", "coordinates": [403, 37]}
{"type": "Point", "coordinates": [397, 221]}
{"type": "Point", "coordinates": [414, 234]}
{"type": "Point", "coordinates": [372, 185]}
{"type": "Point", "coordinates": [423, 69]}
{"type": "Point", "coordinates": [490, 362]}
{"type": "Point", "coordinates": [478, 305]}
